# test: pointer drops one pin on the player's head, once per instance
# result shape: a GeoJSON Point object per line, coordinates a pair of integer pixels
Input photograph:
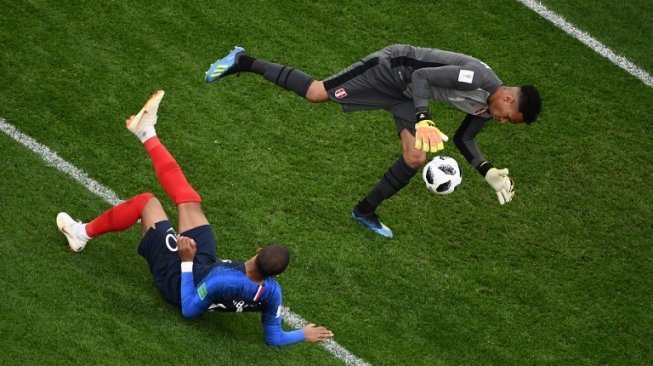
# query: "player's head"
{"type": "Point", "coordinates": [272, 260]}
{"type": "Point", "coordinates": [530, 103]}
{"type": "Point", "coordinates": [515, 104]}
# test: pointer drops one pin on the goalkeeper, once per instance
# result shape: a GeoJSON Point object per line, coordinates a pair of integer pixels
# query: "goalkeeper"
{"type": "Point", "coordinates": [401, 79]}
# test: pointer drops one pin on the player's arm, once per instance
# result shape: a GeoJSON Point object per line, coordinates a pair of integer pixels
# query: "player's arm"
{"type": "Point", "coordinates": [498, 179]}
{"type": "Point", "coordinates": [464, 139]}
{"type": "Point", "coordinates": [273, 331]}
{"type": "Point", "coordinates": [194, 301]}
{"type": "Point", "coordinates": [427, 136]}
{"type": "Point", "coordinates": [276, 336]}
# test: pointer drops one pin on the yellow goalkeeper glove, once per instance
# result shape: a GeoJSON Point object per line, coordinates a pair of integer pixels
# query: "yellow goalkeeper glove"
{"type": "Point", "coordinates": [427, 136]}
{"type": "Point", "coordinates": [503, 185]}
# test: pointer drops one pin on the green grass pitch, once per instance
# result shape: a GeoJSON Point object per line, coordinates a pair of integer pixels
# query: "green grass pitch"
{"type": "Point", "coordinates": [560, 276]}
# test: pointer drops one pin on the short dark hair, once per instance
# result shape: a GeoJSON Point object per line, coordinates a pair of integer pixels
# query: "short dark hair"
{"type": "Point", "coordinates": [530, 103]}
{"type": "Point", "coordinates": [272, 260]}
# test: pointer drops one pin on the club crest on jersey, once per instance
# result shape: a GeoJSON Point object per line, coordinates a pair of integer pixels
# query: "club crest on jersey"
{"type": "Point", "coordinates": [340, 93]}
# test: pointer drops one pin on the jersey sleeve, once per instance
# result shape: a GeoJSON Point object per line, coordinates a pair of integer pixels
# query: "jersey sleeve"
{"type": "Point", "coordinates": [464, 139]}
{"type": "Point", "coordinates": [464, 78]}
{"type": "Point", "coordinates": [193, 300]}
{"type": "Point", "coordinates": [271, 321]}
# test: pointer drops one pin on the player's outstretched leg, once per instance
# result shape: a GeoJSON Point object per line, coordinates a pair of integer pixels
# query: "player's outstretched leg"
{"type": "Point", "coordinates": [169, 173]}
{"type": "Point", "coordinates": [395, 178]}
{"type": "Point", "coordinates": [286, 77]}
{"type": "Point", "coordinates": [167, 170]}
{"type": "Point", "coordinates": [119, 217]}
{"type": "Point", "coordinates": [223, 66]}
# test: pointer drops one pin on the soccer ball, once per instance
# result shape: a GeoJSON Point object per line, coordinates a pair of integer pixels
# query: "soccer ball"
{"type": "Point", "coordinates": [442, 175]}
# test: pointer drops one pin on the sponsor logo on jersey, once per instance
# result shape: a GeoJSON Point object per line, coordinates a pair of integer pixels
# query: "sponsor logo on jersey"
{"type": "Point", "coordinates": [212, 307]}
{"type": "Point", "coordinates": [236, 306]}
{"type": "Point", "coordinates": [466, 76]}
{"type": "Point", "coordinates": [340, 93]}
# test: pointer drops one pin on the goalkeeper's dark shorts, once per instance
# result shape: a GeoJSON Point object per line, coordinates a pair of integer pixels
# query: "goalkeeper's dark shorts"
{"type": "Point", "coordinates": [159, 248]}
{"type": "Point", "coordinates": [361, 87]}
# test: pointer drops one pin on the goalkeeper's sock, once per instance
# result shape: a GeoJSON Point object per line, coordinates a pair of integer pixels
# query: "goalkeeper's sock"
{"type": "Point", "coordinates": [286, 77]}
{"type": "Point", "coordinates": [119, 217]}
{"type": "Point", "coordinates": [169, 173]}
{"type": "Point", "coordinates": [244, 63]}
{"type": "Point", "coordinates": [364, 207]}
{"type": "Point", "coordinates": [394, 179]}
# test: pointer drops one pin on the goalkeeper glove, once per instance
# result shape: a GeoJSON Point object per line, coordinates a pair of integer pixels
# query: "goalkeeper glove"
{"type": "Point", "coordinates": [427, 136]}
{"type": "Point", "coordinates": [502, 184]}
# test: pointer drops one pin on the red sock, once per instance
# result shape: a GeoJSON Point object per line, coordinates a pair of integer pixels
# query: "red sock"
{"type": "Point", "coordinates": [169, 173]}
{"type": "Point", "coordinates": [119, 217]}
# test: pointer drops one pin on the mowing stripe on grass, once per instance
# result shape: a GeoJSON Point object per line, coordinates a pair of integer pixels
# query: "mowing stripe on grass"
{"type": "Point", "coordinates": [52, 159]}
{"type": "Point", "coordinates": [589, 41]}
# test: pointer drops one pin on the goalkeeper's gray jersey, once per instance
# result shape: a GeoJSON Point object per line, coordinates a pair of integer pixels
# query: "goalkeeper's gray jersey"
{"type": "Point", "coordinates": [406, 72]}
{"type": "Point", "coordinates": [449, 77]}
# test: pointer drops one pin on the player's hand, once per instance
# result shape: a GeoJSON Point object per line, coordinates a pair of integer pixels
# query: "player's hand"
{"type": "Point", "coordinates": [428, 137]}
{"type": "Point", "coordinates": [313, 333]}
{"type": "Point", "coordinates": [499, 180]}
{"type": "Point", "coordinates": [186, 248]}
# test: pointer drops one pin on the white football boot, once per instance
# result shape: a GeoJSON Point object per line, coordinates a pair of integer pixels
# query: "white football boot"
{"type": "Point", "coordinates": [69, 228]}
{"type": "Point", "coordinates": [142, 124]}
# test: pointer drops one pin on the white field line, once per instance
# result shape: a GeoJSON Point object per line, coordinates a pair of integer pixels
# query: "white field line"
{"type": "Point", "coordinates": [52, 159]}
{"type": "Point", "coordinates": [589, 41]}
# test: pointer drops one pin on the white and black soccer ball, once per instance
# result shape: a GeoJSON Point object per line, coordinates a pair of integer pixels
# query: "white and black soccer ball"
{"type": "Point", "coordinates": [442, 175]}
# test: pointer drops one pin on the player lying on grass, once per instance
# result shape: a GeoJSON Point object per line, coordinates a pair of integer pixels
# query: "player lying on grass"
{"type": "Point", "coordinates": [402, 79]}
{"type": "Point", "coordinates": [184, 266]}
